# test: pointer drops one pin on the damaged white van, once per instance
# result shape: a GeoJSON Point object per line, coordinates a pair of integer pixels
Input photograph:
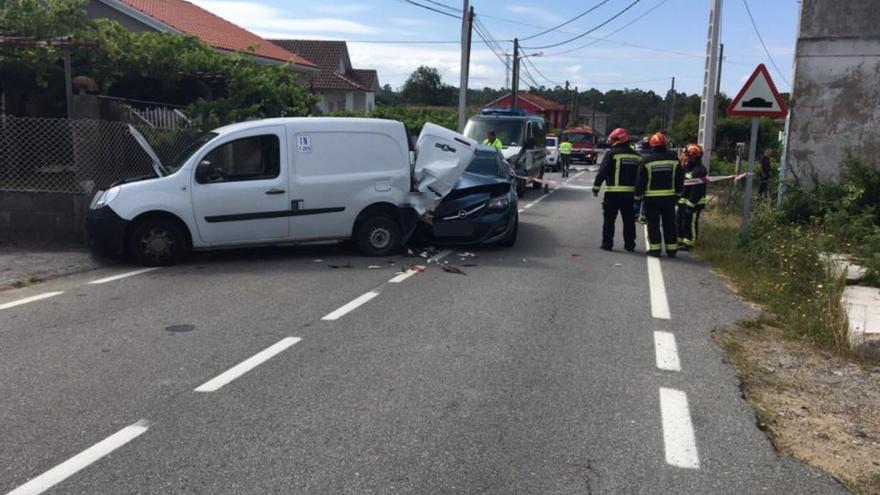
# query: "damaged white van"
{"type": "Point", "coordinates": [275, 181]}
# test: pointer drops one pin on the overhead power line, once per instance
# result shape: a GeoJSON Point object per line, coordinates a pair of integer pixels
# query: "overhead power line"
{"type": "Point", "coordinates": [554, 28]}
{"type": "Point", "coordinates": [536, 69]}
{"type": "Point", "coordinates": [612, 33]}
{"type": "Point", "coordinates": [432, 9]}
{"type": "Point", "coordinates": [761, 39]}
{"type": "Point", "coordinates": [585, 33]}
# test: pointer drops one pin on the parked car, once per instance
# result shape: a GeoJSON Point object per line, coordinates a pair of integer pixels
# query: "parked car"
{"type": "Point", "coordinates": [282, 181]}
{"type": "Point", "coordinates": [482, 207]}
{"type": "Point", "coordinates": [523, 137]}
{"type": "Point", "coordinates": [553, 153]}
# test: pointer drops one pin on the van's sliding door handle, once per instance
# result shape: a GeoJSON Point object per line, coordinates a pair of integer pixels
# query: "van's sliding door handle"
{"type": "Point", "coordinates": [275, 191]}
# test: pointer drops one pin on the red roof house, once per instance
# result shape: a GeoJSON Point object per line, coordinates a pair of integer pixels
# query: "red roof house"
{"type": "Point", "coordinates": [179, 16]}
{"type": "Point", "coordinates": [555, 114]}
{"type": "Point", "coordinates": [338, 85]}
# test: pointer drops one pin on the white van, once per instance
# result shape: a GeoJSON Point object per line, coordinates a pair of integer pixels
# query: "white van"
{"type": "Point", "coordinates": [282, 181]}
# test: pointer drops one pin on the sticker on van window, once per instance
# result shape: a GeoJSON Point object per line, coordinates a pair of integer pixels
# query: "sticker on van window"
{"type": "Point", "coordinates": [304, 144]}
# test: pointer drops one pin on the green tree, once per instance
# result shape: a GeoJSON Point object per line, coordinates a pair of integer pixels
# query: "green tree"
{"type": "Point", "coordinates": [425, 87]}
{"type": "Point", "coordinates": [685, 130]}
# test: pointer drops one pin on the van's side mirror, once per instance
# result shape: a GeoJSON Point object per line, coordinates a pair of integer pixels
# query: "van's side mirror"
{"type": "Point", "coordinates": [205, 172]}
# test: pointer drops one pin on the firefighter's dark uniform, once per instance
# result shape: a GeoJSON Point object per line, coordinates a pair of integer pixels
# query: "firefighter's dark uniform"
{"type": "Point", "coordinates": [659, 183]}
{"type": "Point", "coordinates": [691, 204]}
{"type": "Point", "coordinates": [618, 171]}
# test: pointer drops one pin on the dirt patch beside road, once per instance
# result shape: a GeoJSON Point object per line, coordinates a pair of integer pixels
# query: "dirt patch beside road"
{"type": "Point", "coordinates": [821, 408]}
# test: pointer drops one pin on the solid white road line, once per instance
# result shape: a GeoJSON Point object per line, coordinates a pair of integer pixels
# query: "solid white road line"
{"type": "Point", "coordinates": [678, 432]}
{"type": "Point", "coordinates": [123, 275]}
{"type": "Point", "coordinates": [439, 256]}
{"type": "Point", "coordinates": [248, 364]}
{"type": "Point", "coordinates": [659, 303]}
{"type": "Point", "coordinates": [31, 299]}
{"type": "Point", "coordinates": [666, 351]}
{"type": "Point", "coordinates": [82, 460]}
{"type": "Point", "coordinates": [405, 275]}
{"type": "Point", "coordinates": [351, 306]}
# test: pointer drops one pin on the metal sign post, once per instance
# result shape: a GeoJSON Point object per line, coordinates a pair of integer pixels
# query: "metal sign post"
{"type": "Point", "coordinates": [757, 98]}
{"type": "Point", "coordinates": [747, 204]}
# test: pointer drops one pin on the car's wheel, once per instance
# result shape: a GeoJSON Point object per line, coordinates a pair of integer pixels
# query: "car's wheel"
{"type": "Point", "coordinates": [157, 242]}
{"type": "Point", "coordinates": [510, 240]}
{"type": "Point", "coordinates": [378, 236]}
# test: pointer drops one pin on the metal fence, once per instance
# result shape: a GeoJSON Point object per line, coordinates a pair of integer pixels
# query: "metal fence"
{"type": "Point", "coordinates": [78, 155]}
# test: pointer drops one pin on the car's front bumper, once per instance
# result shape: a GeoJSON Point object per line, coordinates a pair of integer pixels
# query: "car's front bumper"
{"type": "Point", "coordinates": [106, 231]}
{"type": "Point", "coordinates": [487, 228]}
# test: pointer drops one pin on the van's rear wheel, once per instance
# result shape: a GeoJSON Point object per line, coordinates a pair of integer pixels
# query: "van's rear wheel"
{"type": "Point", "coordinates": [378, 236]}
{"type": "Point", "coordinates": [157, 242]}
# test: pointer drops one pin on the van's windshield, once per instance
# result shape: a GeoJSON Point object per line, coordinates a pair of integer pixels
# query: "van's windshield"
{"type": "Point", "coordinates": [579, 137]}
{"type": "Point", "coordinates": [182, 154]}
{"type": "Point", "coordinates": [510, 132]}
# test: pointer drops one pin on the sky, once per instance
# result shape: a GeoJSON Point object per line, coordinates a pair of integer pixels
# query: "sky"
{"type": "Point", "coordinates": [644, 47]}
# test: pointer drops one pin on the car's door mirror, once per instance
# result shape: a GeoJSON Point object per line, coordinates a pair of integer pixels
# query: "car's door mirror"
{"type": "Point", "coordinates": [206, 172]}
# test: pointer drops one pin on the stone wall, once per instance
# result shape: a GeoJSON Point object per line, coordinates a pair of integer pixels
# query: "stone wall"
{"type": "Point", "coordinates": [43, 216]}
{"type": "Point", "coordinates": [836, 95]}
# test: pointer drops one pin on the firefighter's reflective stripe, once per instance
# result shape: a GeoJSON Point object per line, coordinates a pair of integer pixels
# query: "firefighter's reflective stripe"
{"type": "Point", "coordinates": [671, 247]}
{"type": "Point", "coordinates": [618, 188]}
{"type": "Point", "coordinates": [686, 202]}
{"type": "Point", "coordinates": [655, 247]}
{"type": "Point", "coordinates": [618, 159]}
{"type": "Point", "coordinates": [660, 165]}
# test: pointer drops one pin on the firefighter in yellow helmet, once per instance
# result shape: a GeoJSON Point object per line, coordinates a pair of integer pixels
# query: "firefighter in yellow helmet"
{"type": "Point", "coordinates": [693, 197]}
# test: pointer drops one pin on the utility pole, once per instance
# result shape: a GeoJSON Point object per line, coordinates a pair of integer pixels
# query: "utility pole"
{"type": "Point", "coordinates": [574, 107]}
{"type": "Point", "coordinates": [507, 71]}
{"type": "Point", "coordinates": [466, 22]}
{"type": "Point", "coordinates": [671, 108]}
{"type": "Point", "coordinates": [720, 66]}
{"type": "Point", "coordinates": [710, 84]}
{"type": "Point", "coordinates": [514, 85]}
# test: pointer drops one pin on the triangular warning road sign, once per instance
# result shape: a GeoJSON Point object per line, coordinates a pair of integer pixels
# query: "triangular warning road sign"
{"type": "Point", "coordinates": [758, 97]}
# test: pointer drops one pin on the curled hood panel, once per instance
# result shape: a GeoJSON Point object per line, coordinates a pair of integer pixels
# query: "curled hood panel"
{"type": "Point", "coordinates": [442, 157]}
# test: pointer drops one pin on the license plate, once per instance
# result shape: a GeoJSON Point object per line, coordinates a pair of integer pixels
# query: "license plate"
{"type": "Point", "coordinates": [453, 229]}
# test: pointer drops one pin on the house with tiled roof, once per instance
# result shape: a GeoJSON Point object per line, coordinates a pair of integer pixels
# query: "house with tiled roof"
{"type": "Point", "coordinates": [555, 114]}
{"type": "Point", "coordinates": [339, 86]}
{"type": "Point", "coordinates": [185, 18]}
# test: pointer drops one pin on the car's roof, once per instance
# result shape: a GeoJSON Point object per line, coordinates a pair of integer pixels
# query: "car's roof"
{"type": "Point", "coordinates": [507, 117]}
{"type": "Point", "coordinates": [315, 123]}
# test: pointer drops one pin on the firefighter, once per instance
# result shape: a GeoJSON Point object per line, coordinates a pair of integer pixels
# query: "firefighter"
{"type": "Point", "coordinates": [565, 155]}
{"type": "Point", "coordinates": [658, 184]}
{"type": "Point", "coordinates": [618, 171]}
{"type": "Point", "coordinates": [693, 198]}
{"type": "Point", "coordinates": [493, 141]}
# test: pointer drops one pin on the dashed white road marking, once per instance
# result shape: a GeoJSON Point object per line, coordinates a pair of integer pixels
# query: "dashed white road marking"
{"type": "Point", "coordinates": [407, 274]}
{"type": "Point", "coordinates": [122, 275]}
{"type": "Point", "coordinates": [678, 431]}
{"type": "Point", "coordinates": [38, 297]}
{"type": "Point", "coordinates": [82, 460]}
{"type": "Point", "coordinates": [659, 301]}
{"type": "Point", "coordinates": [666, 351]}
{"type": "Point", "coordinates": [248, 364]}
{"type": "Point", "coordinates": [439, 256]}
{"type": "Point", "coordinates": [351, 306]}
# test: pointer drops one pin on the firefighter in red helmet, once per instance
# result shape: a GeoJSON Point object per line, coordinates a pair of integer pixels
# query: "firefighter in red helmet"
{"type": "Point", "coordinates": [659, 184]}
{"type": "Point", "coordinates": [618, 172]}
{"type": "Point", "coordinates": [693, 197]}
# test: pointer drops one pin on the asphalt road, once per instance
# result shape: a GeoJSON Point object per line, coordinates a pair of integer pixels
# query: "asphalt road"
{"type": "Point", "coordinates": [550, 367]}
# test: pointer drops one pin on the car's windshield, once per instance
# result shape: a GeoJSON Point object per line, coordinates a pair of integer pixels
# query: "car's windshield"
{"type": "Point", "coordinates": [484, 163]}
{"type": "Point", "coordinates": [179, 154]}
{"type": "Point", "coordinates": [510, 132]}
{"type": "Point", "coordinates": [579, 137]}
{"type": "Point", "coordinates": [551, 142]}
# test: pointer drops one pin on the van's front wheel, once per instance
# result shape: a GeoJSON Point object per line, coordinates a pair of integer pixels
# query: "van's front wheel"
{"type": "Point", "coordinates": [156, 242]}
{"type": "Point", "coordinates": [378, 236]}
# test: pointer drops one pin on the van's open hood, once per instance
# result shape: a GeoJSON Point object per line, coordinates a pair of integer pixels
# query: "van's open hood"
{"type": "Point", "coordinates": [141, 140]}
{"type": "Point", "coordinates": [442, 156]}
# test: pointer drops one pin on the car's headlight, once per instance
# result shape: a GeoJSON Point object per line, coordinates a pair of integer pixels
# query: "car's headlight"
{"type": "Point", "coordinates": [499, 203]}
{"type": "Point", "coordinates": [107, 197]}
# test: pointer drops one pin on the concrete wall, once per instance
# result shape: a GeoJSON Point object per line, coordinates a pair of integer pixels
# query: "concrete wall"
{"type": "Point", "coordinates": [43, 216]}
{"type": "Point", "coordinates": [836, 95]}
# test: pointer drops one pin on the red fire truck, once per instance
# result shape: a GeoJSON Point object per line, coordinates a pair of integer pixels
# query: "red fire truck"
{"type": "Point", "coordinates": [583, 143]}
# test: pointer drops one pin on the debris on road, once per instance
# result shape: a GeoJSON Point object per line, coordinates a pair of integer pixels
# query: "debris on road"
{"type": "Point", "coordinates": [317, 261]}
{"type": "Point", "coordinates": [576, 255]}
{"type": "Point", "coordinates": [452, 269]}
{"type": "Point", "coordinates": [466, 255]}
{"type": "Point", "coordinates": [347, 265]}
{"type": "Point", "coordinates": [618, 264]}
{"type": "Point", "coordinates": [373, 267]}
